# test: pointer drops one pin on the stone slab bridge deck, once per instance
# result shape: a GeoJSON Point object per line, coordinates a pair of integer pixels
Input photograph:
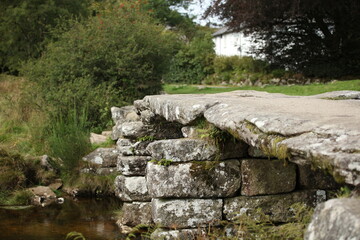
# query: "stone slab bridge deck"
{"type": "Point", "coordinates": [323, 130]}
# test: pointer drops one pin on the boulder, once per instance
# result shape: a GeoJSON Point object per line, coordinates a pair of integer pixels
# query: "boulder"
{"type": "Point", "coordinates": [335, 219]}
{"type": "Point", "coordinates": [136, 213]}
{"type": "Point", "coordinates": [43, 196]}
{"type": "Point", "coordinates": [183, 150]}
{"type": "Point", "coordinates": [186, 213]}
{"type": "Point", "coordinates": [132, 165]}
{"type": "Point", "coordinates": [277, 207]}
{"type": "Point", "coordinates": [97, 138]}
{"type": "Point", "coordinates": [130, 189]}
{"type": "Point", "coordinates": [262, 176]}
{"type": "Point", "coordinates": [203, 179]}
{"type": "Point", "coordinates": [105, 157]}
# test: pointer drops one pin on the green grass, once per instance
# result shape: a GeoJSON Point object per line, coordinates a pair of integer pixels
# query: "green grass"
{"type": "Point", "coordinates": [299, 90]}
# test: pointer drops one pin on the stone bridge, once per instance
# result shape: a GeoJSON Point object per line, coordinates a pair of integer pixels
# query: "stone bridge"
{"type": "Point", "coordinates": [189, 161]}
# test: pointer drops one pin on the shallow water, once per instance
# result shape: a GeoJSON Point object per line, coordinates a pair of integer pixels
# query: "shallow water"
{"type": "Point", "coordinates": [92, 217]}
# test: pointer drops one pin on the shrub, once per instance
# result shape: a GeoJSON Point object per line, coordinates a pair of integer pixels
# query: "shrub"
{"type": "Point", "coordinates": [193, 62]}
{"type": "Point", "coordinates": [110, 59]}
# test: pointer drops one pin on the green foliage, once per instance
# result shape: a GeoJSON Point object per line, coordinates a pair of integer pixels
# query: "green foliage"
{"type": "Point", "coordinates": [19, 197]}
{"type": "Point", "coordinates": [110, 59]}
{"type": "Point", "coordinates": [75, 236]}
{"type": "Point", "coordinates": [162, 162]}
{"type": "Point", "coordinates": [237, 69]}
{"type": "Point", "coordinates": [68, 139]}
{"type": "Point", "coordinates": [145, 138]}
{"type": "Point", "coordinates": [344, 192]}
{"type": "Point", "coordinates": [25, 26]}
{"type": "Point", "coordinates": [193, 62]}
{"type": "Point", "coordinates": [17, 172]}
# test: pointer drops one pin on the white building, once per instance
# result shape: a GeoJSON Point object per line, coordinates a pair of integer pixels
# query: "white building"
{"type": "Point", "coordinates": [230, 43]}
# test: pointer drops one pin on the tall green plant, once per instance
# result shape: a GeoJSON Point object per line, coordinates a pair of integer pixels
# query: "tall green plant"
{"type": "Point", "coordinates": [68, 139]}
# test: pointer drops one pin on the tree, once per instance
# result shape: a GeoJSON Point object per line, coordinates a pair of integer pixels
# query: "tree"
{"type": "Point", "coordinates": [111, 59]}
{"type": "Point", "coordinates": [316, 37]}
{"type": "Point", "coordinates": [25, 25]}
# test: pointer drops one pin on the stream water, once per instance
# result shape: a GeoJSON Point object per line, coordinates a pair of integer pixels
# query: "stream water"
{"type": "Point", "coordinates": [92, 217]}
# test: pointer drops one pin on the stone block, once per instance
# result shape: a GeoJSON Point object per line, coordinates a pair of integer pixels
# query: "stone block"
{"type": "Point", "coordinates": [183, 150]}
{"type": "Point", "coordinates": [277, 207]}
{"type": "Point", "coordinates": [124, 114]}
{"type": "Point", "coordinates": [261, 176]}
{"type": "Point", "coordinates": [315, 179]}
{"type": "Point", "coordinates": [124, 146]}
{"type": "Point", "coordinates": [130, 189]}
{"type": "Point", "coordinates": [186, 213]}
{"type": "Point", "coordinates": [139, 148]}
{"type": "Point", "coordinates": [105, 157]}
{"type": "Point", "coordinates": [136, 213]}
{"type": "Point", "coordinates": [132, 165]}
{"type": "Point", "coordinates": [335, 219]}
{"type": "Point", "coordinates": [202, 179]}
{"type": "Point", "coordinates": [183, 234]}
{"type": "Point", "coordinates": [135, 130]}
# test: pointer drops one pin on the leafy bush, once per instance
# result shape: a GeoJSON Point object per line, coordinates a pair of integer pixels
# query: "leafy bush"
{"type": "Point", "coordinates": [193, 62]}
{"type": "Point", "coordinates": [110, 59]}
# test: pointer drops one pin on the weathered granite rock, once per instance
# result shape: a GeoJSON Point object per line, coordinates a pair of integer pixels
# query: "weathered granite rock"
{"type": "Point", "coordinates": [135, 130]}
{"type": "Point", "coordinates": [261, 176]}
{"type": "Point", "coordinates": [120, 116]}
{"type": "Point", "coordinates": [190, 132]}
{"type": "Point", "coordinates": [183, 234]}
{"type": "Point", "coordinates": [97, 138]}
{"type": "Point", "coordinates": [335, 219]}
{"type": "Point", "coordinates": [139, 148]}
{"type": "Point", "coordinates": [204, 179]}
{"type": "Point", "coordinates": [277, 207]}
{"type": "Point", "coordinates": [124, 114]}
{"type": "Point", "coordinates": [315, 179]}
{"type": "Point", "coordinates": [42, 196]}
{"type": "Point", "coordinates": [179, 108]}
{"type": "Point", "coordinates": [308, 128]}
{"type": "Point", "coordinates": [147, 116]}
{"type": "Point", "coordinates": [186, 213]}
{"type": "Point", "coordinates": [132, 165]}
{"type": "Point", "coordinates": [125, 147]}
{"type": "Point", "coordinates": [182, 150]}
{"type": "Point", "coordinates": [136, 213]}
{"type": "Point", "coordinates": [106, 157]}
{"type": "Point", "coordinates": [130, 189]}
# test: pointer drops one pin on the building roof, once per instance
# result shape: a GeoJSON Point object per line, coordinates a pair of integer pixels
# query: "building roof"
{"type": "Point", "coordinates": [222, 31]}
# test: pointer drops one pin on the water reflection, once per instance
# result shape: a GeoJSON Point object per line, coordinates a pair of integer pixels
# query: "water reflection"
{"type": "Point", "coordinates": [91, 217]}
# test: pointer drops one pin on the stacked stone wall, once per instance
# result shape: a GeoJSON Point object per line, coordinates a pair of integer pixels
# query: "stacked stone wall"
{"type": "Point", "coordinates": [172, 177]}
